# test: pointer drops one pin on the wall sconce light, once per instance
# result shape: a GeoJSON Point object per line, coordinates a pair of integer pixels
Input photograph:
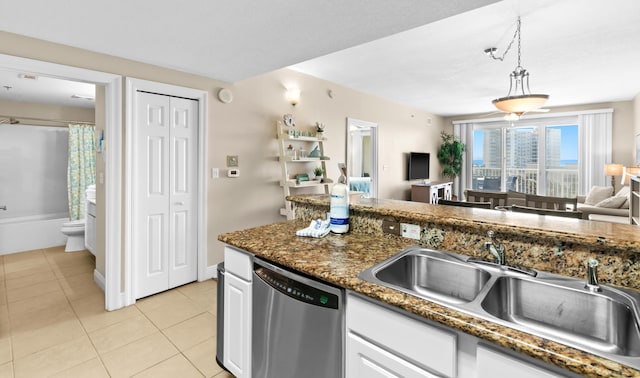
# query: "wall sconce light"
{"type": "Point", "coordinates": [293, 96]}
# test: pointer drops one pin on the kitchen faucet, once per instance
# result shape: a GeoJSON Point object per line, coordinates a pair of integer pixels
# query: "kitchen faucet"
{"type": "Point", "coordinates": [592, 276]}
{"type": "Point", "coordinates": [496, 248]}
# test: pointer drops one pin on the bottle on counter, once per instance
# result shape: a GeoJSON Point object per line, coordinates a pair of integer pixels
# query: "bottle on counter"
{"type": "Point", "coordinates": [339, 207]}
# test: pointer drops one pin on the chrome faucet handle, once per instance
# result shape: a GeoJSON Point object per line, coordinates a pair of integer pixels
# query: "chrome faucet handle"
{"type": "Point", "coordinates": [592, 276]}
{"type": "Point", "coordinates": [496, 248]}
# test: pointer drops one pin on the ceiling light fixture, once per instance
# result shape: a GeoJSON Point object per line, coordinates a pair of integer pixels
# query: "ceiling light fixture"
{"type": "Point", "coordinates": [520, 102]}
{"type": "Point", "coordinates": [82, 97]}
{"type": "Point", "coordinates": [27, 76]}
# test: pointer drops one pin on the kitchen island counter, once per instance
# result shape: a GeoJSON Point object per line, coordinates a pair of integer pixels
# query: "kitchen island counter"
{"type": "Point", "coordinates": [338, 259]}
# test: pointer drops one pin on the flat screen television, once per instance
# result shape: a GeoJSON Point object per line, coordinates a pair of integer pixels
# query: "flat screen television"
{"type": "Point", "coordinates": [418, 166]}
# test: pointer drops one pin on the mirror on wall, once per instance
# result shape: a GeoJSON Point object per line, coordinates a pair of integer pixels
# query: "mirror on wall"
{"type": "Point", "coordinates": [362, 157]}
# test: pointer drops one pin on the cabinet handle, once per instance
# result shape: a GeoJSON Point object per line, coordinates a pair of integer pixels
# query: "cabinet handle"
{"type": "Point", "coordinates": [180, 203]}
{"type": "Point", "coordinates": [3, 207]}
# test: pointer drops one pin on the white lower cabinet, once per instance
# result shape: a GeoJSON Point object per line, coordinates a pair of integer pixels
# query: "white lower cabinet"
{"type": "Point", "coordinates": [365, 359]}
{"type": "Point", "coordinates": [237, 312]}
{"type": "Point", "coordinates": [385, 342]}
{"type": "Point", "coordinates": [491, 364]}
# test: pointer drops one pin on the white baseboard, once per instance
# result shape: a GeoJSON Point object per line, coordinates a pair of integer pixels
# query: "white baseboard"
{"type": "Point", "coordinates": [211, 272]}
{"type": "Point", "coordinates": [98, 278]}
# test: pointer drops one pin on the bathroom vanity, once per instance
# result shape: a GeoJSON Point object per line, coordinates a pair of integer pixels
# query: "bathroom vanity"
{"type": "Point", "coordinates": [90, 226]}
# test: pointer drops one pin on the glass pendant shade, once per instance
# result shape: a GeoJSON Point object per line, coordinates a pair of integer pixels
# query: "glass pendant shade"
{"type": "Point", "coordinates": [522, 101]}
{"type": "Point", "coordinates": [520, 104]}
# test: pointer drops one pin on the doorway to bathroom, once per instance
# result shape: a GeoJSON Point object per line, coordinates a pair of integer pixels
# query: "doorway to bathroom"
{"type": "Point", "coordinates": [111, 116]}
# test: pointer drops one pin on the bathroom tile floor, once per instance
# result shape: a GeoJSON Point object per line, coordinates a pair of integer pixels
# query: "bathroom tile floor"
{"type": "Point", "coordinates": [53, 324]}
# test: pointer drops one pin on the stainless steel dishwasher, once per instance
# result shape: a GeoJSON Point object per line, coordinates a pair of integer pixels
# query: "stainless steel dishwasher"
{"type": "Point", "coordinates": [298, 325]}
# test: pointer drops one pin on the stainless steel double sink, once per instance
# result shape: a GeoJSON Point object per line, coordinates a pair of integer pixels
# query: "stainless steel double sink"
{"type": "Point", "coordinates": [558, 308]}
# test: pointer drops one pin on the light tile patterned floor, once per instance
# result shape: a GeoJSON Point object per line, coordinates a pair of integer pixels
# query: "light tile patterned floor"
{"type": "Point", "coordinates": [53, 324]}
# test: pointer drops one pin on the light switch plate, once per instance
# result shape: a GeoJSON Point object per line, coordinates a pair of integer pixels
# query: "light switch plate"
{"type": "Point", "coordinates": [411, 231]}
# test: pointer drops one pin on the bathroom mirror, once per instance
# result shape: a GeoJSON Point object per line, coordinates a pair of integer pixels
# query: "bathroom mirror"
{"type": "Point", "coordinates": [362, 157]}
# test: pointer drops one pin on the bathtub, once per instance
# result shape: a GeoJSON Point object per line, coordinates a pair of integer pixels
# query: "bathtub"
{"type": "Point", "coordinates": [32, 232]}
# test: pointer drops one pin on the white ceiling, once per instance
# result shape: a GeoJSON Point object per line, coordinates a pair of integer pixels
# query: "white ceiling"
{"type": "Point", "coordinates": [577, 51]}
{"type": "Point", "coordinates": [45, 90]}
{"type": "Point", "coordinates": [422, 53]}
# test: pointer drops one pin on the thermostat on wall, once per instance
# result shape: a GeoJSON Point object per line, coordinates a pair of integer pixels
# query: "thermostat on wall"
{"type": "Point", "coordinates": [233, 173]}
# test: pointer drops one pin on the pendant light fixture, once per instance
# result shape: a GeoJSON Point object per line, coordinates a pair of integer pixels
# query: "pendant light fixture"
{"type": "Point", "coordinates": [521, 101]}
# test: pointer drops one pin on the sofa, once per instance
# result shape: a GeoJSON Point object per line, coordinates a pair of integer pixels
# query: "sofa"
{"type": "Point", "coordinates": [600, 204]}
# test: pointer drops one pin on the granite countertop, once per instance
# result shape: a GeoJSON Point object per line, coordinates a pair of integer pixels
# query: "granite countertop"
{"type": "Point", "coordinates": [613, 235]}
{"type": "Point", "coordinates": [338, 259]}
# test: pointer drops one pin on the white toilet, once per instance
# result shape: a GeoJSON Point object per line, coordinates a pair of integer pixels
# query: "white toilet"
{"type": "Point", "coordinates": [75, 229]}
{"type": "Point", "coordinates": [75, 235]}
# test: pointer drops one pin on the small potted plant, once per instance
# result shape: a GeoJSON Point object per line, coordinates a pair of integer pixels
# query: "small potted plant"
{"type": "Point", "coordinates": [319, 172]}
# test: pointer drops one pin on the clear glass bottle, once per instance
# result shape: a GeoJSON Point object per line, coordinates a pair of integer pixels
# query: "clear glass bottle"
{"type": "Point", "coordinates": [291, 153]}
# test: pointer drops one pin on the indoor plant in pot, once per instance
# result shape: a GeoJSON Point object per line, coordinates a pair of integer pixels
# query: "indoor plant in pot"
{"type": "Point", "coordinates": [450, 155]}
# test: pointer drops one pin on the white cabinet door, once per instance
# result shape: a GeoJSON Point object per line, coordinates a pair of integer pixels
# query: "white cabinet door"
{"type": "Point", "coordinates": [431, 348]}
{"type": "Point", "coordinates": [364, 359]}
{"type": "Point", "coordinates": [237, 326]}
{"type": "Point", "coordinates": [164, 226]}
{"type": "Point", "coordinates": [183, 251]}
{"type": "Point", "coordinates": [492, 364]}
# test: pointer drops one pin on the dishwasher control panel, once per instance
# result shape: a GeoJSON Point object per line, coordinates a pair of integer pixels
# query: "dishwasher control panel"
{"type": "Point", "coordinates": [297, 290]}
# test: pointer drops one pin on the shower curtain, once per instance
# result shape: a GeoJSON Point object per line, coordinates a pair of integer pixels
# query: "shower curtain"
{"type": "Point", "coordinates": [81, 169]}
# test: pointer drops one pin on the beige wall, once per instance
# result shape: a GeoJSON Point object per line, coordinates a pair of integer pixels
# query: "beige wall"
{"type": "Point", "coordinates": [623, 126]}
{"type": "Point", "coordinates": [246, 127]}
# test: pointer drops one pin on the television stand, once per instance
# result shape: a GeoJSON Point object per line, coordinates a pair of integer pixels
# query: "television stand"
{"type": "Point", "coordinates": [431, 192]}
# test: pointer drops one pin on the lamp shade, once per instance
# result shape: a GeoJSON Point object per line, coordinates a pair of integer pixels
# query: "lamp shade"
{"type": "Point", "coordinates": [629, 171]}
{"type": "Point", "coordinates": [613, 169]}
{"type": "Point", "coordinates": [293, 96]}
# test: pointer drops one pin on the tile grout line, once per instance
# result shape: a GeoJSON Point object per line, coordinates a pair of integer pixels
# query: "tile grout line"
{"type": "Point", "coordinates": [86, 333]}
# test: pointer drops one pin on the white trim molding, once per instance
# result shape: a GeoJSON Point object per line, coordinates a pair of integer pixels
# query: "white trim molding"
{"type": "Point", "coordinates": [132, 86]}
{"type": "Point", "coordinates": [113, 153]}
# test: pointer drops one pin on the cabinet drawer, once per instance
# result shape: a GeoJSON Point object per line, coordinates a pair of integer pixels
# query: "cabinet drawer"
{"type": "Point", "coordinates": [432, 348]}
{"type": "Point", "coordinates": [238, 262]}
{"type": "Point", "coordinates": [368, 360]}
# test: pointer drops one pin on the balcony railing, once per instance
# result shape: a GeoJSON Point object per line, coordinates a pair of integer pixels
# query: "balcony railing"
{"type": "Point", "coordinates": [560, 182]}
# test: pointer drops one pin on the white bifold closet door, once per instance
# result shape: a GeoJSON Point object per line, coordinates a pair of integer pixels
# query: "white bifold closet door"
{"type": "Point", "coordinates": [165, 211]}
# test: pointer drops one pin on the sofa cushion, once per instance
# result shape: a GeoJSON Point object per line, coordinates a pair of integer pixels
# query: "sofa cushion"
{"type": "Point", "coordinates": [611, 202]}
{"type": "Point", "coordinates": [624, 192]}
{"type": "Point", "coordinates": [597, 194]}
